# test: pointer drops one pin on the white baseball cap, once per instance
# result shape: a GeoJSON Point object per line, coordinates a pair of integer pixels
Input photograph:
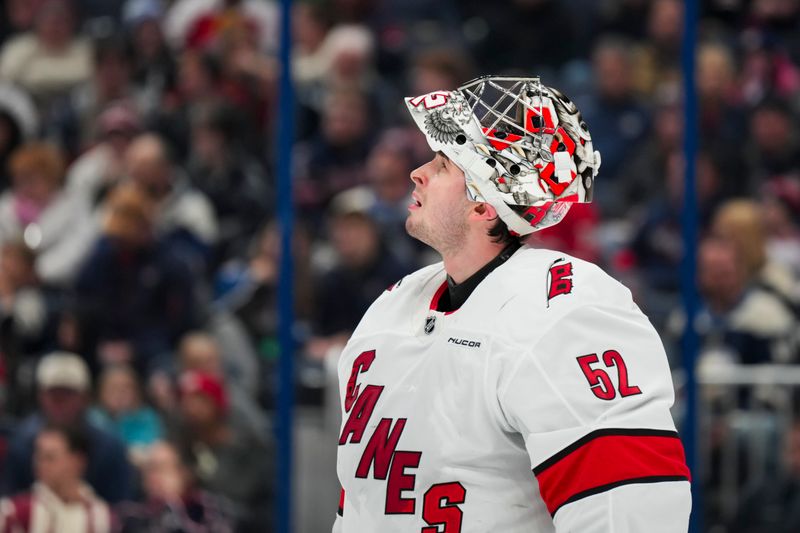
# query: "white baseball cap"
{"type": "Point", "coordinates": [63, 369]}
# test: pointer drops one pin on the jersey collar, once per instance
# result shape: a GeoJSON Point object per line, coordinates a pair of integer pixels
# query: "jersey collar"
{"type": "Point", "coordinates": [451, 295]}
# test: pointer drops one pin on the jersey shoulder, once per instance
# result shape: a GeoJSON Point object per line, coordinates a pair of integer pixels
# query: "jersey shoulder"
{"type": "Point", "coordinates": [563, 279]}
{"type": "Point", "coordinates": [540, 287]}
{"type": "Point", "coordinates": [417, 280]}
{"type": "Point", "coordinates": [401, 300]}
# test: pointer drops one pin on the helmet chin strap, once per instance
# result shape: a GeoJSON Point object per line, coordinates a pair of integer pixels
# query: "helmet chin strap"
{"type": "Point", "coordinates": [478, 174]}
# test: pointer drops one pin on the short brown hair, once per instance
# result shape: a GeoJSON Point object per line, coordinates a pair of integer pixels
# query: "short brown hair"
{"type": "Point", "coordinates": [128, 211]}
{"type": "Point", "coordinates": [38, 157]}
{"type": "Point", "coordinates": [501, 234]}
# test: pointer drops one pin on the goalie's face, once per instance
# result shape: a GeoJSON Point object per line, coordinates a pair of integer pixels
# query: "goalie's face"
{"type": "Point", "coordinates": [439, 210]}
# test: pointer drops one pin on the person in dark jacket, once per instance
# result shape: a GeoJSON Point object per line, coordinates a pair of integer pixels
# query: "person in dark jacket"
{"type": "Point", "coordinates": [64, 385]}
{"type": "Point", "coordinates": [134, 295]}
{"type": "Point", "coordinates": [173, 502]}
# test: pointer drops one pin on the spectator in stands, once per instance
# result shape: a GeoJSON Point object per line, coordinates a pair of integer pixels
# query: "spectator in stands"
{"type": "Point", "coordinates": [199, 351]}
{"type": "Point", "coordinates": [235, 182]}
{"type": "Point", "coordinates": [774, 505]}
{"type": "Point", "coordinates": [208, 23]}
{"type": "Point", "coordinates": [721, 119]}
{"type": "Point", "coordinates": [183, 216]}
{"type": "Point", "coordinates": [38, 209]}
{"type": "Point", "coordinates": [775, 147]}
{"type": "Point", "coordinates": [64, 389]}
{"type": "Point", "coordinates": [248, 82]}
{"type": "Point", "coordinates": [198, 80]}
{"type": "Point", "coordinates": [311, 23]}
{"type": "Point", "coordinates": [154, 64]}
{"type": "Point", "coordinates": [59, 500]}
{"type": "Point", "coordinates": [781, 206]}
{"type": "Point", "coordinates": [134, 294]}
{"type": "Point", "coordinates": [657, 60]}
{"type": "Point", "coordinates": [767, 68]}
{"type": "Point", "coordinates": [101, 167]}
{"type": "Point", "coordinates": [779, 18]}
{"type": "Point", "coordinates": [644, 175]}
{"type": "Point", "coordinates": [363, 268]}
{"type": "Point", "coordinates": [172, 499]}
{"type": "Point", "coordinates": [350, 51]}
{"type": "Point", "coordinates": [389, 191]}
{"type": "Point", "coordinates": [615, 112]}
{"type": "Point", "coordinates": [656, 246]}
{"type": "Point", "coordinates": [18, 16]}
{"type": "Point", "coordinates": [740, 323]}
{"type": "Point", "coordinates": [23, 305]}
{"type": "Point", "coordinates": [121, 410]}
{"type": "Point", "coordinates": [6, 423]}
{"type": "Point", "coordinates": [112, 81]}
{"type": "Point", "coordinates": [432, 69]}
{"type": "Point", "coordinates": [742, 223]}
{"type": "Point", "coordinates": [330, 57]}
{"type": "Point", "coordinates": [248, 288]}
{"type": "Point", "coordinates": [19, 122]}
{"type": "Point", "coordinates": [51, 59]}
{"type": "Point", "coordinates": [28, 320]}
{"type": "Point", "coordinates": [224, 459]}
{"type": "Point", "coordinates": [657, 242]}
{"type": "Point", "coordinates": [333, 161]}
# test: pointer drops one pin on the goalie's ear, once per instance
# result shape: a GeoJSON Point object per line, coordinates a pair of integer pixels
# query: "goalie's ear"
{"type": "Point", "coordinates": [483, 211]}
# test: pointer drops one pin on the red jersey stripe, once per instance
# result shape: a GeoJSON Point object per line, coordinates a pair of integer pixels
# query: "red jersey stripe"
{"type": "Point", "coordinates": [341, 503]}
{"type": "Point", "coordinates": [609, 458]}
{"type": "Point", "coordinates": [438, 296]}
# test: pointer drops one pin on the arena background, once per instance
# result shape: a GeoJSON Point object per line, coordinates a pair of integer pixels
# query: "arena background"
{"type": "Point", "coordinates": [158, 160]}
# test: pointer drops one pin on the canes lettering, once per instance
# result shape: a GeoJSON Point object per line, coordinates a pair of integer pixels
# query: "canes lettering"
{"type": "Point", "coordinates": [386, 462]}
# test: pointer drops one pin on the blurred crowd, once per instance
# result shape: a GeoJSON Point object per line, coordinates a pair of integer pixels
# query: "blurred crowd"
{"type": "Point", "coordinates": [139, 249]}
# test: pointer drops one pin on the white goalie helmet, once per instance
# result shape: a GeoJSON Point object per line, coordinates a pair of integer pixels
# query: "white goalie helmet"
{"type": "Point", "coordinates": [523, 147]}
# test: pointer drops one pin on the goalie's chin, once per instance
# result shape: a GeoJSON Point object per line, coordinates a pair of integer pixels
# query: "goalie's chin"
{"type": "Point", "coordinates": [415, 229]}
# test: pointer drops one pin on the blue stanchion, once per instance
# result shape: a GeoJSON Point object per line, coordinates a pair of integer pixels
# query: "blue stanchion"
{"type": "Point", "coordinates": [688, 267]}
{"type": "Point", "coordinates": [284, 137]}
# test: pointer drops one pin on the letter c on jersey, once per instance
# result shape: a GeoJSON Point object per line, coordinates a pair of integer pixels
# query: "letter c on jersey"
{"type": "Point", "coordinates": [364, 402]}
{"type": "Point", "coordinates": [361, 364]}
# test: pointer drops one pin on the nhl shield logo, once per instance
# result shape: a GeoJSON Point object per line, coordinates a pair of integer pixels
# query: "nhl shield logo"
{"type": "Point", "coordinates": [430, 323]}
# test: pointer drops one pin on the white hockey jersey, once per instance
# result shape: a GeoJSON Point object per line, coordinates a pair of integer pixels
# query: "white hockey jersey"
{"type": "Point", "coordinates": [541, 405]}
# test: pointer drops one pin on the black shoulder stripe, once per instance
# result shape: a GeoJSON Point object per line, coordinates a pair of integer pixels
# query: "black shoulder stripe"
{"type": "Point", "coordinates": [605, 432]}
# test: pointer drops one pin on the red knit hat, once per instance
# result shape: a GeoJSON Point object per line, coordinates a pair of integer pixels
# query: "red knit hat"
{"type": "Point", "coordinates": [194, 382]}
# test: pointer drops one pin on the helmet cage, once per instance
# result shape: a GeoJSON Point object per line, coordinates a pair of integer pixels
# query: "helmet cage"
{"type": "Point", "coordinates": [523, 146]}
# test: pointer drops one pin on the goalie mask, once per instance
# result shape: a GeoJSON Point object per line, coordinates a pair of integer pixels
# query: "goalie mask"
{"type": "Point", "coordinates": [523, 147]}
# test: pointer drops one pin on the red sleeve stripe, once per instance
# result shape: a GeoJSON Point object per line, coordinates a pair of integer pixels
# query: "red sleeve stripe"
{"type": "Point", "coordinates": [340, 512]}
{"type": "Point", "coordinates": [609, 458]}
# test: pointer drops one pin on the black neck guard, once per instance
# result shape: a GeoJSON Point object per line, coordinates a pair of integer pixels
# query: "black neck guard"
{"type": "Point", "coordinates": [457, 293]}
